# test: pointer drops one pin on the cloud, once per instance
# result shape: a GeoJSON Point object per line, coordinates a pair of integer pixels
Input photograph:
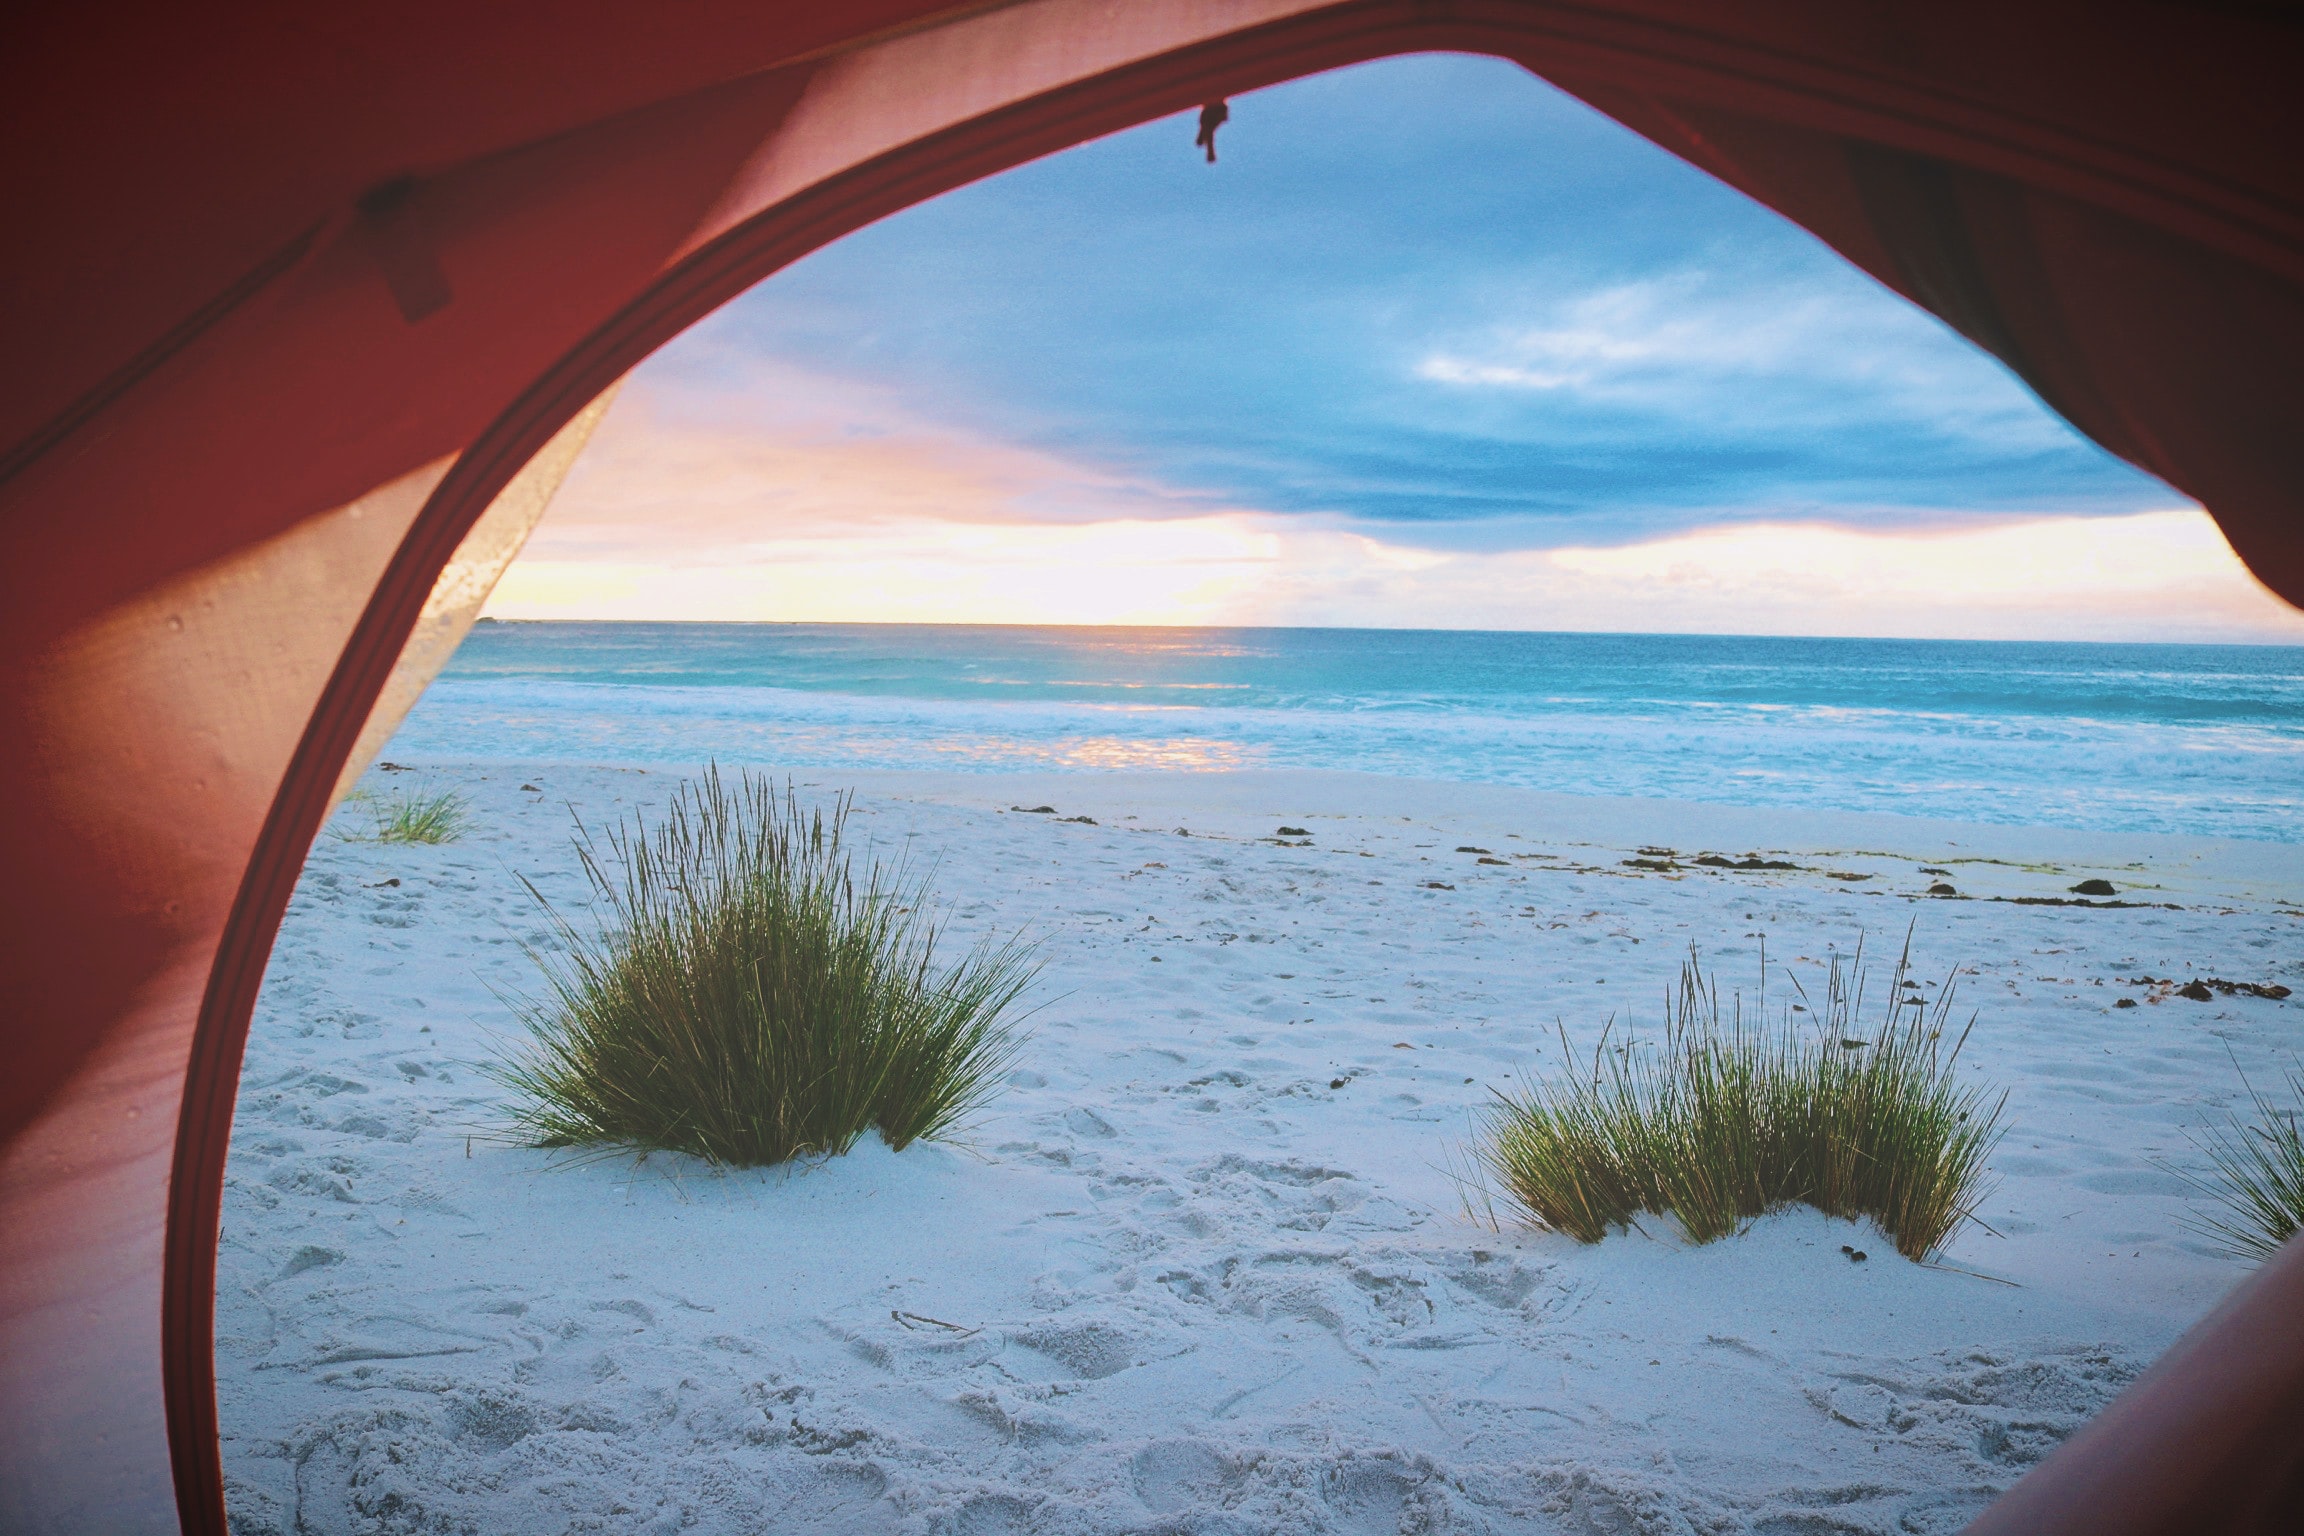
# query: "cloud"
{"type": "Point", "coordinates": [1610, 341]}
{"type": "Point", "coordinates": [681, 474]}
{"type": "Point", "coordinates": [2161, 576]}
{"type": "Point", "coordinates": [2155, 576]}
{"type": "Point", "coordinates": [1713, 353]}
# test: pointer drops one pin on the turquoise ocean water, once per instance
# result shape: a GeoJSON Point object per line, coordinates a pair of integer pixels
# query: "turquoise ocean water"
{"type": "Point", "coordinates": [2158, 738]}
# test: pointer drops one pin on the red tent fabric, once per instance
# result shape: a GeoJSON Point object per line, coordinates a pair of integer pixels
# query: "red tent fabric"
{"type": "Point", "coordinates": [294, 294]}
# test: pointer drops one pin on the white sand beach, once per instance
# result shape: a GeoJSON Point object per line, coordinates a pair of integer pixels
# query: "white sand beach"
{"type": "Point", "coordinates": [1202, 1268]}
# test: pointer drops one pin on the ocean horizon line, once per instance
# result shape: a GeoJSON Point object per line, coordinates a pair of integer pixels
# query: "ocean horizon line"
{"type": "Point", "coordinates": [1386, 629]}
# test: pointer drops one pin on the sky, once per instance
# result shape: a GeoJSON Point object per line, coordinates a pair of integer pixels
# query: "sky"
{"type": "Point", "coordinates": [1431, 345]}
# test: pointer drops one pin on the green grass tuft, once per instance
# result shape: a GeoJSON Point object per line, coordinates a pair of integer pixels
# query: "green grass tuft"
{"type": "Point", "coordinates": [1724, 1121]}
{"type": "Point", "coordinates": [748, 998]}
{"type": "Point", "coordinates": [409, 816]}
{"type": "Point", "coordinates": [2259, 1177]}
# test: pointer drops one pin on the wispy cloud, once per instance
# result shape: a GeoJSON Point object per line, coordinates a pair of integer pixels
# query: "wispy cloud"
{"type": "Point", "coordinates": [685, 474]}
{"type": "Point", "coordinates": [1711, 351]}
{"type": "Point", "coordinates": [1625, 339]}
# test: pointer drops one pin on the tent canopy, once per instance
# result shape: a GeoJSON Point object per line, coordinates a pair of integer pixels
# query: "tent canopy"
{"type": "Point", "coordinates": [305, 309]}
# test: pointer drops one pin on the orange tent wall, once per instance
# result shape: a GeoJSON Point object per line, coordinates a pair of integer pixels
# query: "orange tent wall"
{"type": "Point", "coordinates": [292, 294]}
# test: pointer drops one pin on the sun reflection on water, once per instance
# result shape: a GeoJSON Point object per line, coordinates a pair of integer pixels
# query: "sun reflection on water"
{"type": "Point", "coordinates": [1109, 753]}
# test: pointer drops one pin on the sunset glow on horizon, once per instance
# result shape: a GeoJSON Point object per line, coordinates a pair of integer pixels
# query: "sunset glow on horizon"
{"type": "Point", "coordinates": [2166, 576]}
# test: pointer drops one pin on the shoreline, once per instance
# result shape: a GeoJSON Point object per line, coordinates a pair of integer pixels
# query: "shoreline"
{"type": "Point", "coordinates": [1235, 803]}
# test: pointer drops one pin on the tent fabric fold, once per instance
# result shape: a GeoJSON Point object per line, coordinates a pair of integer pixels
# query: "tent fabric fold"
{"type": "Point", "coordinates": [293, 299]}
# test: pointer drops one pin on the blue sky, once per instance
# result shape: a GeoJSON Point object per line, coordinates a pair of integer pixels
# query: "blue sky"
{"type": "Point", "coordinates": [1425, 309]}
{"type": "Point", "coordinates": [1434, 292]}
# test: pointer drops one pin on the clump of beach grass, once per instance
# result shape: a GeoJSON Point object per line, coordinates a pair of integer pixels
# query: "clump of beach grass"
{"type": "Point", "coordinates": [1726, 1120]}
{"type": "Point", "coordinates": [410, 816]}
{"type": "Point", "coordinates": [2259, 1178]}
{"type": "Point", "coordinates": [747, 996]}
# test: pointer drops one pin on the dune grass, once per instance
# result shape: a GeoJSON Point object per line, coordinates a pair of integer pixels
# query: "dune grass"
{"type": "Point", "coordinates": [747, 997]}
{"type": "Point", "coordinates": [410, 816]}
{"type": "Point", "coordinates": [2259, 1178]}
{"type": "Point", "coordinates": [1724, 1120]}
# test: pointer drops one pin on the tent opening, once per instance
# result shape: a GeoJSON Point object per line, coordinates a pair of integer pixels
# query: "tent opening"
{"type": "Point", "coordinates": [1359, 605]}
